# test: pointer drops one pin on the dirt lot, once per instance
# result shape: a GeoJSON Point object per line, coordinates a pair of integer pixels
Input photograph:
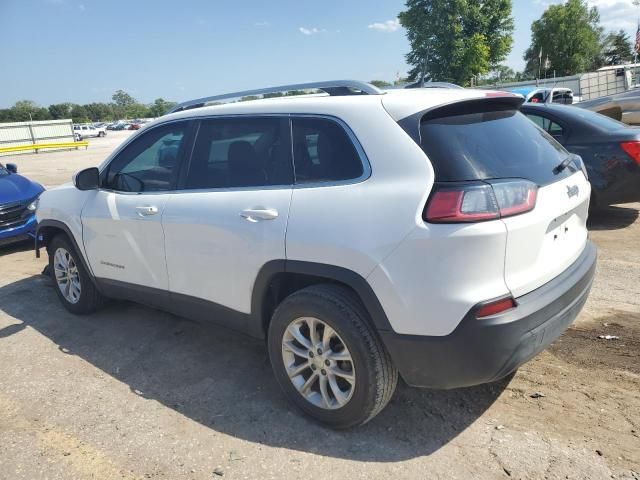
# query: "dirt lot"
{"type": "Point", "coordinates": [133, 393]}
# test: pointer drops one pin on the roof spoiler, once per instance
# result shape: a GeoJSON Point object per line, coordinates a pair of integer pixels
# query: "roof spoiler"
{"type": "Point", "coordinates": [332, 87]}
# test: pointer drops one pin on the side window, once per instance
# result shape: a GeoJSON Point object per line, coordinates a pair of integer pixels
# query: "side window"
{"type": "Point", "coordinates": [150, 163]}
{"type": "Point", "coordinates": [555, 129]}
{"type": "Point", "coordinates": [547, 125]}
{"type": "Point", "coordinates": [538, 120]}
{"type": "Point", "coordinates": [323, 152]}
{"type": "Point", "coordinates": [537, 98]}
{"type": "Point", "coordinates": [241, 152]}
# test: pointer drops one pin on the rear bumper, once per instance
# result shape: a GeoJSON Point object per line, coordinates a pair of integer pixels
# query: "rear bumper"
{"type": "Point", "coordinates": [21, 232]}
{"type": "Point", "coordinates": [481, 351]}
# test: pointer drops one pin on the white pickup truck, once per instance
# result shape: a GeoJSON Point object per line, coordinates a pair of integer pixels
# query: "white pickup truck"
{"type": "Point", "coordinates": [86, 131]}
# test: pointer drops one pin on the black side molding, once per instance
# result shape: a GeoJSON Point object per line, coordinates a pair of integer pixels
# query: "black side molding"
{"type": "Point", "coordinates": [331, 273]}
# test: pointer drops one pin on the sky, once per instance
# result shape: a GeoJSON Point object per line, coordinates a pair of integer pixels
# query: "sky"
{"type": "Point", "coordinates": [81, 51]}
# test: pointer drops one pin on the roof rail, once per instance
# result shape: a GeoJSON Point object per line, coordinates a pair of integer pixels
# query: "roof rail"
{"type": "Point", "coordinates": [332, 87]}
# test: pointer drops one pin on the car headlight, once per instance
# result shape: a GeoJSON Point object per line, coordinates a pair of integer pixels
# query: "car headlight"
{"type": "Point", "coordinates": [33, 206]}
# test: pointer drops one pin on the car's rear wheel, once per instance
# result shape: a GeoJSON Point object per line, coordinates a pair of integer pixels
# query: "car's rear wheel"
{"type": "Point", "coordinates": [327, 358]}
{"type": "Point", "coordinates": [74, 286]}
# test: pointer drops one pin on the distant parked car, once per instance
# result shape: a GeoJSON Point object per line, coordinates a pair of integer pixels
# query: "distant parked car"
{"type": "Point", "coordinates": [609, 149]}
{"type": "Point", "coordinates": [18, 201]}
{"type": "Point", "coordinates": [624, 107]}
{"type": "Point", "coordinates": [433, 85]}
{"type": "Point", "coordinates": [135, 126]}
{"type": "Point", "coordinates": [120, 126]}
{"type": "Point", "coordinates": [87, 131]}
{"type": "Point", "coordinates": [545, 95]}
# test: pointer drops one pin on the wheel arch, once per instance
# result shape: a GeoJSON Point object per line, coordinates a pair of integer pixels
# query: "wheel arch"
{"type": "Point", "coordinates": [48, 229]}
{"type": "Point", "coordinates": [278, 279]}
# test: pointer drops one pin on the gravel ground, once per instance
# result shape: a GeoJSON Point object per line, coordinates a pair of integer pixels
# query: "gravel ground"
{"type": "Point", "coordinates": [132, 393]}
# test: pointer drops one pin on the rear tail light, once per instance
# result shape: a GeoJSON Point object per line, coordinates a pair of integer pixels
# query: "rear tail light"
{"type": "Point", "coordinates": [496, 307]}
{"type": "Point", "coordinates": [632, 149]}
{"type": "Point", "coordinates": [480, 201]}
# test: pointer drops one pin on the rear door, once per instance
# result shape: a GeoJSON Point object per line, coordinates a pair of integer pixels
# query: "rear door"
{"type": "Point", "coordinates": [503, 144]}
{"type": "Point", "coordinates": [229, 216]}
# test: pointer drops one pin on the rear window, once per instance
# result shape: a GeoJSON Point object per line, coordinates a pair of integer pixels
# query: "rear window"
{"type": "Point", "coordinates": [489, 145]}
{"type": "Point", "coordinates": [597, 120]}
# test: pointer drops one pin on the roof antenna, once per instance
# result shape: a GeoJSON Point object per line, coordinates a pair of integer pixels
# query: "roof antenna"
{"type": "Point", "coordinates": [423, 72]}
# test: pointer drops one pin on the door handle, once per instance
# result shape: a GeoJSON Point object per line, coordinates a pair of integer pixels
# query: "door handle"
{"type": "Point", "coordinates": [255, 214]}
{"type": "Point", "coordinates": [147, 210]}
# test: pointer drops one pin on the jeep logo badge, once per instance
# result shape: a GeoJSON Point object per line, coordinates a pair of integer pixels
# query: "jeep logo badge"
{"type": "Point", "coordinates": [572, 191]}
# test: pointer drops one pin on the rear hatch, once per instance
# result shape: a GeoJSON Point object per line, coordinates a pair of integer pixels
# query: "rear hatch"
{"type": "Point", "coordinates": [483, 141]}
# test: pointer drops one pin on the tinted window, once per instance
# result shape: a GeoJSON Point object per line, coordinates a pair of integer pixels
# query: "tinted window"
{"type": "Point", "coordinates": [241, 152]}
{"type": "Point", "coordinates": [486, 145]}
{"type": "Point", "coordinates": [323, 151]}
{"type": "Point", "coordinates": [546, 124]}
{"type": "Point", "coordinates": [562, 96]}
{"type": "Point", "coordinates": [539, 97]}
{"type": "Point", "coordinates": [149, 163]}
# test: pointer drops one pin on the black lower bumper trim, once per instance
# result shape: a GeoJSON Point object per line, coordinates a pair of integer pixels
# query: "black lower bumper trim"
{"type": "Point", "coordinates": [481, 351]}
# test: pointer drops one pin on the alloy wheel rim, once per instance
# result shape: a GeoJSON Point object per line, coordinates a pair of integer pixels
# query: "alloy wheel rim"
{"type": "Point", "coordinates": [318, 363]}
{"type": "Point", "coordinates": [67, 276]}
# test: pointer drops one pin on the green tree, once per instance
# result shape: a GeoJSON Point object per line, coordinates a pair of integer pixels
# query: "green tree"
{"type": "Point", "coordinates": [60, 111]}
{"type": "Point", "coordinates": [122, 103]}
{"type": "Point", "coordinates": [160, 106]}
{"type": "Point", "coordinates": [137, 110]}
{"type": "Point", "coordinates": [455, 40]}
{"type": "Point", "coordinates": [569, 36]}
{"type": "Point", "coordinates": [79, 114]}
{"type": "Point", "coordinates": [26, 110]}
{"type": "Point", "coordinates": [99, 111]}
{"type": "Point", "coordinates": [122, 98]}
{"type": "Point", "coordinates": [617, 48]}
{"type": "Point", "coordinates": [380, 83]}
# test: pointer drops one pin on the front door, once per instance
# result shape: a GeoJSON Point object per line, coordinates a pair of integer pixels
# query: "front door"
{"type": "Point", "coordinates": [122, 221]}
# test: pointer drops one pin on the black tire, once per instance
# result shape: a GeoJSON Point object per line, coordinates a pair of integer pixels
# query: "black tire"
{"type": "Point", "coordinates": [376, 377]}
{"type": "Point", "coordinates": [89, 299]}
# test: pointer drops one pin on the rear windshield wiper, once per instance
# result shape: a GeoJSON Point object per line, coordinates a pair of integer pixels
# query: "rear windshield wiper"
{"type": "Point", "coordinates": [565, 163]}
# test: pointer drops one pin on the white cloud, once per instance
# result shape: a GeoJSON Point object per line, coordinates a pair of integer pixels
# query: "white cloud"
{"type": "Point", "coordinates": [311, 31]}
{"type": "Point", "coordinates": [388, 26]}
{"type": "Point", "coordinates": [262, 23]}
{"type": "Point", "coordinates": [81, 7]}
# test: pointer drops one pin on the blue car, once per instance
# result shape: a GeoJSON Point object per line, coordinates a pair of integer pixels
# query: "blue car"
{"type": "Point", "coordinates": [18, 196]}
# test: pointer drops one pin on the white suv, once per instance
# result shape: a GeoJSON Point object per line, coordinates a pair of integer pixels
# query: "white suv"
{"type": "Point", "coordinates": [438, 234]}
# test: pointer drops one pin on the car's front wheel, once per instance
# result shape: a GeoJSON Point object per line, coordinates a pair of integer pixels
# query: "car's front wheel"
{"type": "Point", "coordinates": [327, 358]}
{"type": "Point", "coordinates": [73, 283]}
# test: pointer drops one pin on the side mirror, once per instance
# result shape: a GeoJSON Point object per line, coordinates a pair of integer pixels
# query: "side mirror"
{"type": "Point", "coordinates": [12, 167]}
{"type": "Point", "coordinates": [87, 179]}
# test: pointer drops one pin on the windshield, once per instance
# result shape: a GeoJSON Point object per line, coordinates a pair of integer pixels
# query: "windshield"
{"type": "Point", "coordinates": [490, 145]}
{"type": "Point", "coordinates": [3, 171]}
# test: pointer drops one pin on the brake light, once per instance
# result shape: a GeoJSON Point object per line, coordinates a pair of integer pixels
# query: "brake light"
{"type": "Point", "coordinates": [632, 149]}
{"type": "Point", "coordinates": [480, 201]}
{"type": "Point", "coordinates": [496, 307]}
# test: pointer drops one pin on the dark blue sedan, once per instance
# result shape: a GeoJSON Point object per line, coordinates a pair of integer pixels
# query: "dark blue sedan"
{"type": "Point", "coordinates": [610, 149]}
{"type": "Point", "coordinates": [18, 200]}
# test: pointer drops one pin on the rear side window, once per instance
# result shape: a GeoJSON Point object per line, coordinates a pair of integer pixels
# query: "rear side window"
{"type": "Point", "coordinates": [323, 152]}
{"type": "Point", "coordinates": [241, 152]}
{"type": "Point", "coordinates": [491, 145]}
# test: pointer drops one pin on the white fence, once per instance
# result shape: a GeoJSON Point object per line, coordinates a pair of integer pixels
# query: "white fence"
{"type": "Point", "coordinates": [586, 85]}
{"type": "Point", "coordinates": [32, 133]}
